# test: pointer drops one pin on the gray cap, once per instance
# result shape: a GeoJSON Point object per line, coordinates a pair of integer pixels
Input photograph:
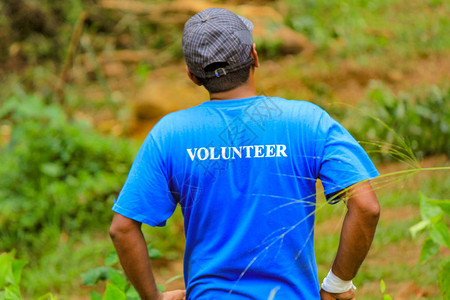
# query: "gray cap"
{"type": "Point", "coordinates": [217, 35]}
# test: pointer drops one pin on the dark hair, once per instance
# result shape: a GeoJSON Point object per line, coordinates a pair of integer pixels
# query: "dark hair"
{"type": "Point", "coordinates": [225, 82]}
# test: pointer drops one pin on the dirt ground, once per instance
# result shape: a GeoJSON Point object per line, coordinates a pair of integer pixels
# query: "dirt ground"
{"type": "Point", "coordinates": [348, 83]}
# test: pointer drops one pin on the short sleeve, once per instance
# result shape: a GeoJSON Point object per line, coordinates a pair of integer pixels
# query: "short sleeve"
{"type": "Point", "coordinates": [343, 162]}
{"type": "Point", "coordinates": [145, 196]}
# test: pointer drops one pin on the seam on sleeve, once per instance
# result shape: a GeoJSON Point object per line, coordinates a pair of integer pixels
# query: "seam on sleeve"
{"type": "Point", "coordinates": [137, 217]}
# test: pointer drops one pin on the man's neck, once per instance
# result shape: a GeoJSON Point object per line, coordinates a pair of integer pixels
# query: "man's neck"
{"type": "Point", "coordinates": [243, 91]}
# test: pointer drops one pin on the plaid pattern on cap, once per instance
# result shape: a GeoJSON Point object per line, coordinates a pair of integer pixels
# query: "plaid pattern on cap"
{"type": "Point", "coordinates": [217, 35]}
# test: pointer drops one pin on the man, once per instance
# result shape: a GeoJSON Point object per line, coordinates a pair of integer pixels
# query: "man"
{"type": "Point", "coordinates": [243, 169]}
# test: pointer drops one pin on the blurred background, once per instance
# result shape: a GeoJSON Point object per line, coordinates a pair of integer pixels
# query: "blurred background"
{"type": "Point", "coordinates": [83, 81]}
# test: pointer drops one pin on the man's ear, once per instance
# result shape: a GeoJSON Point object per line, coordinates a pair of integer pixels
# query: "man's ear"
{"type": "Point", "coordinates": [255, 56]}
{"type": "Point", "coordinates": [192, 77]}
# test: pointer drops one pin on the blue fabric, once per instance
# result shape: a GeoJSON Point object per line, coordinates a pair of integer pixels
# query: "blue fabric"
{"type": "Point", "coordinates": [244, 172]}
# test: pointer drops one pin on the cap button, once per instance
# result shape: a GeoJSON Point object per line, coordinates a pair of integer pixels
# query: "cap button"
{"type": "Point", "coordinates": [205, 19]}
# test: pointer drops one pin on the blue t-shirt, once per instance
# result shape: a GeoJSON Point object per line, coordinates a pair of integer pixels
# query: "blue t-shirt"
{"type": "Point", "coordinates": [244, 173]}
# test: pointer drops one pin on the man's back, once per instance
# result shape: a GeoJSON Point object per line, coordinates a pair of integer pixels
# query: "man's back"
{"type": "Point", "coordinates": [243, 168]}
{"type": "Point", "coordinates": [244, 173]}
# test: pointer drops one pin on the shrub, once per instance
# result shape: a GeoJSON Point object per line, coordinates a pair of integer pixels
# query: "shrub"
{"type": "Point", "coordinates": [435, 215]}
{"type": "Point", "coordinates": [10, 278]}
{"type": "Point", "coordinates": [57, 175]}
{"type": "Point", "coordinates": [117, 285]}
{"type": "Point", "coordinates": [404, 125]}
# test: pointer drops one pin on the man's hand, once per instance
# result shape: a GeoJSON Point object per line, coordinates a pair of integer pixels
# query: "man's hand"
{"type": "Point", "coordinates": [349, 295]}
{"type": "Point", "coordinates": [173, 295]}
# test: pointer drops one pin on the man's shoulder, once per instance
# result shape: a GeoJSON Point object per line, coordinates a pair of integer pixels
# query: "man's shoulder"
{"type": "Point", "coordinates": [293, 103]}
{"type": "Point", "coordinates": [182, 114]}
{"type": "Point", "coordinates": [297, 109]}
{"type": "Point", "coordinates": [180, 117]}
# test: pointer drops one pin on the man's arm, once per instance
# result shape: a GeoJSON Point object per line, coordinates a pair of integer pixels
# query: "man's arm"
{"type": "Point", "coordinates": [132, 250]}
{"type": "Point", "coordinates": [357, 234]}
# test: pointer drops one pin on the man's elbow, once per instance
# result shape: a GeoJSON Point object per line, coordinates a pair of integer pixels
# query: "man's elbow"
{"type": "Point", "coordinates": [113, 231]}
{"type": "Point", "coordinates": [122, 226]}
{"type": "Point", "coordinates": [373, 210]}
{"type": "Point", "coordinates": [364, 202]}
{"type": "Point", "coordinates": [369, 210]}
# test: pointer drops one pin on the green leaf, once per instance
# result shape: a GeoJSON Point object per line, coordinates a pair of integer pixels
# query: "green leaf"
{"type": "Point", "coordinates": [117, 279]}
{"type": "Point", "coordinates": [416, 228]}
{"type": "Point", "coordinates": [132, 294]}
{"type": "Point", "coordinates": [429, 248]}
{"type": "Point", "coordinates": [439, 234]}
{"type": "Point", "coordinates": [154, 253]}
{"type": "Point", "coordinates": [113, 293]}
{"type": "Point", "coordinates": [92, 276]}
{"type": "Point", "coordinates": [443, 204]}
{"type": "Point", "coordinates": [161, 288]}
{"type": "Point", "coordinates": [17, 267]}
{"type": "Point", "coordinates": [5, 268]}
{"type": "Point", "coordinates": [387, 297]}
{"type": "Point", "coordinates": [437, 219]}
{"type": "Point", "coordinates": [95, 295]}
{"type": "Point", "coordinates": [382, 286]}
{"type": "Point", "coordinates": [111, 258]}
{"type": "Point", "coordinates": [12, 292]}
{"type": "Point", "coordinates": [444, 280]}
{"type": "Point", "coordinates": [428, 210]}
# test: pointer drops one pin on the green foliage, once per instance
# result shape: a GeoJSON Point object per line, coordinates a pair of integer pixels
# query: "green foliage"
{"type": "Point", "coordinates": [354, 27]}
{"type": "Point", "coordinates": [117, 286]}
{"type": "Point", "coordinates": [10, 277]}
{"type": "Point", "coordinates": [170, 238]}
{"type": "Point", "coordinates": [435, 217]}
{"type": "Point", "coordinates": [383, 290]}
{"type": "Point", "coordinates": [92, 276]}
{"type": "Point", "coordinates": [57, 175]}
{"type": "Point", "coordinates": [114, 293]}
{"type": "Point", "coordinates": [404, 126]}
{"type": "Point", "coordinates": [269, 47]}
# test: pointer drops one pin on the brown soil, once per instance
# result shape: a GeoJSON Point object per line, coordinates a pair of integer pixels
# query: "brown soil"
{"type": "Point", "coordinates": [168, 271]}
{"type": "Point", "coordinates": [346, 83]}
